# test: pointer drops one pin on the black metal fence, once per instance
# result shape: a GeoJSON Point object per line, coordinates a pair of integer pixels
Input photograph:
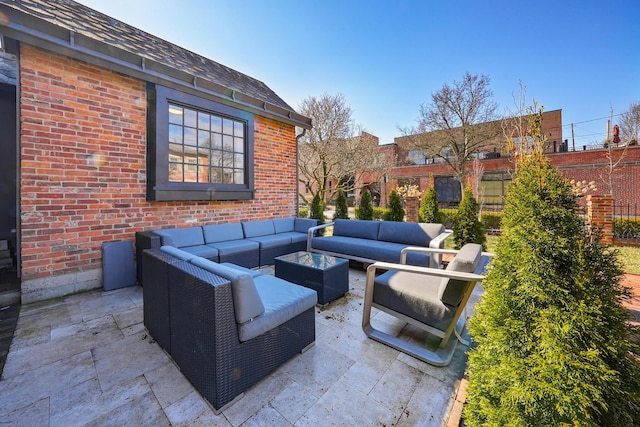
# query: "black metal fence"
{"type": "Point", "coordinates": [626, 221]}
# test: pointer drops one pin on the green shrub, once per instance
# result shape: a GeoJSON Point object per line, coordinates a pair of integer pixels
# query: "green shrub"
{"type": "Point", "coordinates": [468, 229]}
{"type": "Point", "coordinates": [449, 217]}
{"type": "Point", "coordinates": [342, 210]}
{"type": "Point", "coordinates": [491, 220]}
{"type": "Point", "coordinates": [627, 227]}
{"type": "Point", "coordinates": [429, 211]}
{"type": "Point", "coordinates": [317, 211]}
{"type": "Point", "coordinates": [379, 213]}
{"type": "Point", "coordinates": [303, 213]}
{"type": "Point", "coordinates": [395, 211]}
{"type": "Point", "coordinates": [366, 206]}
{"type": "Point", "coordinates": [552, 339]}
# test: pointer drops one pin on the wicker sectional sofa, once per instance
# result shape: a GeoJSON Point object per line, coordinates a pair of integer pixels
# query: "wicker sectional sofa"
{"type": "Point", "coordinates": [371, 241]}
{"type": "Point", "coordinates": [248, 244]}
{"type": "Point", "coordinates": [225, 326]}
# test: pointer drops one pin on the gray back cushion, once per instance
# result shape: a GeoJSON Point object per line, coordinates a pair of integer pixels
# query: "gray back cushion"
{"type": "Point", "coordinates": [258, 228]}
{"type": "Point", "coordinates": [466, 261]}
{"type": "Point", "coordinates": [222, 232]}
{"type": "Point", "coordinates": [178, 253]}
{"type": "Point", "coordinates": [302, 225]}
{"type": "Point", "coordinates": [179, 237]}
{"type": "Point", "coordinates": [409, 233]}
{"type": "Point", "coordinates": [246, 300]}
{"type": "Point", "coordinates": [282, 225]}
{"type": "Point", "coordinates": [356, 228]}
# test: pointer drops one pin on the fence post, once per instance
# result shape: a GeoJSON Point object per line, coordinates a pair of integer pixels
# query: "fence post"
{"type": "Point", "coordinates": [600, 214]}
{"type": "Point", "coordinates": [412, 206]}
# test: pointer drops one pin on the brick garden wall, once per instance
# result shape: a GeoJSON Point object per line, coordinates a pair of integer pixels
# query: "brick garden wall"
{"type": "Point", "coordinates": [83, 177]}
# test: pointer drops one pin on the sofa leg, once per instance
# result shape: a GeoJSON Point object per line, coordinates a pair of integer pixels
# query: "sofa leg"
{"type": "Point", "coordinates": [307, 347]}
{"type": "Point", "coordinates": [226, 406]}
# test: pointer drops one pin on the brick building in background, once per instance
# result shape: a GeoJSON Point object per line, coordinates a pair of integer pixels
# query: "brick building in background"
{"type": "Point", "coordinates": [118, 131]}
{"type": "Point", "coordinates": [579, 163]}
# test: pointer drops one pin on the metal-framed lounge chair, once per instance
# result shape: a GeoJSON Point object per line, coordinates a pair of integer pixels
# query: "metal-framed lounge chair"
{"type": "Point", "coordinates": [428, 298]}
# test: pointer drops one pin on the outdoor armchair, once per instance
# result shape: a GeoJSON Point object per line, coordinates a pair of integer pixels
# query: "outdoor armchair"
{"type": "Point", "coordinates": [428, 298]}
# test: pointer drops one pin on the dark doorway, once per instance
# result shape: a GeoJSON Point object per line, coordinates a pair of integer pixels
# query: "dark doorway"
{"type": "Point", "coordinates": [8, 189]}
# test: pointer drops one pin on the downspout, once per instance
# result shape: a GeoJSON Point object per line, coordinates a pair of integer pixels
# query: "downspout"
{"type": "Point", "coordinates": [304, 131]}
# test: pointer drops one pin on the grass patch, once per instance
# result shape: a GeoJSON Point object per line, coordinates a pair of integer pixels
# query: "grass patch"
{"type": "Point", "coordinates": [630, 258]}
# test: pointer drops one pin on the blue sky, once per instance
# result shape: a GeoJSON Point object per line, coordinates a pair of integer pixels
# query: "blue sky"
{"type": "Point", "coordinates": [388, 57]}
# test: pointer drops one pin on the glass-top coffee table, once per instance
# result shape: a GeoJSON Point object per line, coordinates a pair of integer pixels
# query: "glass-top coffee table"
{"type": "Point", "coordinates": [325, 274]}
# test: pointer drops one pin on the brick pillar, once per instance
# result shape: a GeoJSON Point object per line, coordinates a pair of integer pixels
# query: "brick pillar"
{"type": "Point", "coordinates": [600, 214]}
{"type": "Point", "coordinates": [411, 209]}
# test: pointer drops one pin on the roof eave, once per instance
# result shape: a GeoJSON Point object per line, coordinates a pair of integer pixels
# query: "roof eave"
{"type": "Point", "coordinates": [40, 33]}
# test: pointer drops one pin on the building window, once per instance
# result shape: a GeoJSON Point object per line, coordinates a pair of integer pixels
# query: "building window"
{"type": "Point", "coordinates": [198, 149]}
{"type": "Point", "coordinates": [448, 190]}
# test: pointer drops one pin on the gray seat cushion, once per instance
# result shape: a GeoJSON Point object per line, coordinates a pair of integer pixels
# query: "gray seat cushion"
{"type": "Point", "coordinates": [204, 251]}
{"type": "Point", "coordinates": [235, 247]}
{"type": "Point", "coordinates": [294, 236]}
{"type": "Point", "coordinates": [414, 295]}
{"type": "Point", "coordinates": [247, 302]}
{"type": "Point", "coordinates": [179, 237]}
{"type": "Point", "coordinates": [271, 241]}
{"type": "Point", "coordinates": [282, 301]}
{"type": "Point", "coordinates": [368, 249]}
{"type": "Point", "coordinates": [356, 228]}
{"type": "Point", "coordinates": [222, 232]}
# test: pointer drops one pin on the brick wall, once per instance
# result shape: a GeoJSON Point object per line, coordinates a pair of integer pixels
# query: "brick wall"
{"type": "Point", "coordinates": [82, 172]}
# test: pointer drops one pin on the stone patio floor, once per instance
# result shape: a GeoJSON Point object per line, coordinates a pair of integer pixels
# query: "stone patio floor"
{"type": "Point", "coordinates": [87, 359]}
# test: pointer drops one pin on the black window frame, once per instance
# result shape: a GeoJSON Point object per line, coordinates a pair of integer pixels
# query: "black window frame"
{"type": "Point", "coordinates": [159, 188]}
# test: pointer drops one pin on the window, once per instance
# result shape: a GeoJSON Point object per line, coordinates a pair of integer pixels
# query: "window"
{"type": "Point", "coordinates": [198, 149]}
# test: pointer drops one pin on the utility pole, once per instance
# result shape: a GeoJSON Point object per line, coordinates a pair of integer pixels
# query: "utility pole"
{"type": "Point", "coordinates": [573, 138]}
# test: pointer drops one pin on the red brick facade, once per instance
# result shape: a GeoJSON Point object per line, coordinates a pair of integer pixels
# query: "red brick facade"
{"type": "Point", "coordinates": [83, 172]}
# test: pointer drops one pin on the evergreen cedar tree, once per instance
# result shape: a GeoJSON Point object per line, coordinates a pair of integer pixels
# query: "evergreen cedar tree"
{"type": "Point", "coordinates": [395, 211]}
{"type": "Point", "coordinates": [552, 339]}
{"type": "Point", "coordinates": [467, 228]}
{"type": "Point", "coordinates": [342, 210]}
{"type": "Point", "coordinates": [365, 210]}
{"type": "Point", "coordinates": [317, 211]}
{"type": "Point", "coordinates": [429, 211]}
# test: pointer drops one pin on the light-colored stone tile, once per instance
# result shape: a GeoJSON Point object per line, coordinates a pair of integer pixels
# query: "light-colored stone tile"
{"type": "Point", "coordinates": [256, 398]}
{"type": "Point", "coordinates": [86, 401]}
{"type": "Point", "coordinates": [34, 414]}
{"type": "Point", "coordinates": [127, 318]}
{"type": "Point", "coordinates": [39, 383]}
{"type": "Point", "coordinates": [343, 405]}
{"type": "Point", "coordinates": [209, 419]}
{"type": "Point", "coordinates": [293, 402]}
{"type": "Point", "coordinates": [31, 357]}
{"type": "Point", "coordinates": [126, 358]}
{"type": "Point", "coordinates": [267, 416]}
{"type": "Point", "coordinates": [186, 410]}
{"type": "Point", "coordinates": [430, 403]}
{"type": "Point", "coordinates": [395, 388]}
{"type": "Point", "coordinates": [168, 384]}
{"type": "Point", "coordinates": [317, 369]}
{"type": "Point", "coordinates": [142, 411]}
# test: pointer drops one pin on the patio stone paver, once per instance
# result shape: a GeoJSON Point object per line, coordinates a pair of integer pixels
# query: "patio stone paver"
{"type": "Point", "coordinates": [88, 360]}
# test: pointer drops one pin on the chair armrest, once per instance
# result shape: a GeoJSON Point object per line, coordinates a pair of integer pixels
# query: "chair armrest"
{"type": "Point", "coordinates": [430, 250]}
{"type": "Point", "coordinates": [423, 270]}
{"type": "Point", "coordinates": [438, 242]}
{"type": "Point", "coordinates": [312, 232]}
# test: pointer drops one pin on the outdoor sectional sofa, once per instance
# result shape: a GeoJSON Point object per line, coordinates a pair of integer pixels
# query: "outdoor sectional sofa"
{"type": "Point", "coordinates": [225, 326]}
{"type": "Point", "coordinates": [371, 241]}
{"type": "Point", "coordinates": [249, 244]}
